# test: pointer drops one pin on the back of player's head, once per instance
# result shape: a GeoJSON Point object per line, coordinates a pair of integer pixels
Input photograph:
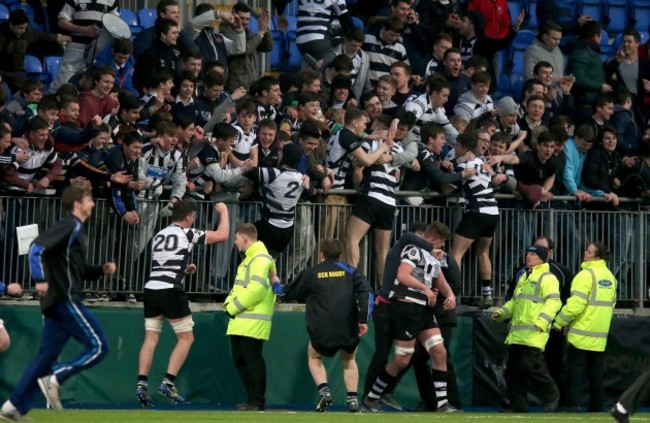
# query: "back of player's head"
{"type": "Point", "coordinates": [248, 230]}
{"type": "Point", "coordinates": [48, 103]}
{"type": "Point", "coordinates": [467, 140]}
{"type": "Point", "coordinates": [439, 230]}
{"type": "Point", "coordinates": [37, 124]}
{"type": "Point", "coordinates": [182, 209]}
{"type": "Point", "coordinates": [132, 137]}
{"type": "Point", "coordinates": [223, 131]}
{"type": "Point", "coordinates": [332, 249]}
{"type": "Point", "coordinates": [430, 130]}
{"type": "Point", "coordinates": [291, 155]}
{"type": "Point", "coordinates": [73, 194]}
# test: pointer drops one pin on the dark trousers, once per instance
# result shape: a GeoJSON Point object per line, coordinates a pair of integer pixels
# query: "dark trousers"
{"type": "Point", "coordinates": [640, 389]}
{"type": "Point", "coordinates": [249, 361]}
{"type": "Point", "coordinates": [526, 368]}
{"type": "Point", "coordinates": [581, 363]}
{"type": "Point", "coordinates": [62, 320]}
{"type": "Point", "coordinates": [554, 356]}
{"type": "Point", "coordinates": [383, 345]}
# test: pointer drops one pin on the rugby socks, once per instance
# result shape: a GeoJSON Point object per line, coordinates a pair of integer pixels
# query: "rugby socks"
{"type": "Point", "coordinates": [352, 397]}
{"type": "Point", "coordinates": [170, 379]}
{"type": "Point", "coordinates": [143, 382]}
{"type": "Point", "coordinates": [440, 386]}
{"type": "Point", "coordinates": [382, 381]}
{"type": "Point", "coordinates": [323, 389]}
{"type": "Point", "coordinates": [486, 285]}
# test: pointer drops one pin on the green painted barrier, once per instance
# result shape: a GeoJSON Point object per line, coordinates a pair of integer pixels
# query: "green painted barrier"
{"type": "Point", "coordinates": [209, 376]}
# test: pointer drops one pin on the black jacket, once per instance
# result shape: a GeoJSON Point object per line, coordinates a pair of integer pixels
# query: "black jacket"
{"type": "Point", "coordinates": [454, 279]}
{"type": "Point", "coordinates": [58, 257]}
{"type": "Point", "coordinates": [123, 197]}
{"type": "Point", "coordinates": [337, 300]}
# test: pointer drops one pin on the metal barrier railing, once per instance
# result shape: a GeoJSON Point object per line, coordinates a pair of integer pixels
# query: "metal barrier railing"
{"type": "Point", "coordinates": [625, 233]}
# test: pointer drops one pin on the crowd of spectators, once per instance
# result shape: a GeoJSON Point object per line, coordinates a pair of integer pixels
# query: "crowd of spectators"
{"type": "Point", "coordinates": [183, 109]}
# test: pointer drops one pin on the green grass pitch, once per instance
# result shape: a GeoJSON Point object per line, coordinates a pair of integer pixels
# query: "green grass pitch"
{"type": "Point", "coordinates": [144, 416]}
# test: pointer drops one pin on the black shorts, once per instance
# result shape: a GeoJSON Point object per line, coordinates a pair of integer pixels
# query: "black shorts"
{"type": "Point", "coordinates": [477, 225]}
{"type": "Point", "coordinates": [170, 303]}
{"type": "Point", "coordinates": [330, 351]}
{"type": "Point", "coordinates": [274, 239]}
{"type": "Point", "coordinates": [375, 213]}
{"type": "Point", "coordinates": [407, 320]}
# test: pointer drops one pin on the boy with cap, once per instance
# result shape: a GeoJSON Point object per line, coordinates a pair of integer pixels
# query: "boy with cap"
{"type": "Point", "coordinates": [535, 303]}
{"type": "Point", "coordinates": [508, 111]}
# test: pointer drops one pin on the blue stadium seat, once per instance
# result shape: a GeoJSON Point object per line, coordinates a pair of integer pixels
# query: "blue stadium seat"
{"type": "Point", "coordinates": [618, 15]}
{"type": "Point", "coordinates": [531, 8]}
{"type": "Point", "coordinates": [278, 52]}
{"type": "Point", "coordinates": [51, 65]}
{"type": "Point", "coordinates": [605, 47]}
{"type": "Point", "coordinates": [4, 13]}
{"type": "Point", "coordinates": [131, 19]}
{"type": "Point", "coordinates": [517, 84]}
{"type": "Point", "coordinates": [292, 8]}
{"type": "Point", "coordinates": [292, 23]}
{"type": "Point", "coordinates": [641, 14]}
{"type": "Point", "coordinates": [358, 23]}
{"type": "Point", "coordinates": [10, 3]}
{"type": "Point", "coordinates": [519, 45]}
{"type": "Point", "coordinates": [515, 7]}
{"type": "Point", "coordinates": [147, 17]}
{"type": "Point", "coordinates": [33, 64]}
{"type": "Point", "coordinates": [593, 8]}
{"type": "Point", "coordinates": [295, 58]}
{"type": "Point", "coordinates": [34, 69]}
{"type": "Point", "coordinates": [253, 25]}
{"type": "Point", "coordinates": [505, 87]}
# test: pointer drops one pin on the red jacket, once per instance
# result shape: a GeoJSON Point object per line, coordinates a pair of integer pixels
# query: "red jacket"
{"type": "Point", "coordinates": [496, 14]}
{"type": "Point", "coordinates": [90, 105]}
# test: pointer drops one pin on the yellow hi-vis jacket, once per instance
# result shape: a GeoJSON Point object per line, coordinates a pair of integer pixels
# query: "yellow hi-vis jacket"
{"type": "Point", "coordinates": [532, 308]}
{"type": "Point", "coordinates": [589, 309]}
{"type": "Point", "coordinates": [251, 301]}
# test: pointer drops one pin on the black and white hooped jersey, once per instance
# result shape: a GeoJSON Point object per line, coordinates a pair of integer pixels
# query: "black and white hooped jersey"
{"type": "Point", "coordinates": [244, 142]}
{"type": "Point", "coordinates": [158, 168]}
{"type": "Point", "coordinates": [38, 159]}
{"type": "Point", "coordinates": [339, 155]}
{"type": "Point", "coordinates": [381, 56]}
{"type": "Point", "coordinates": [479, 192]}
{"type": "Point", "coordinates": [426, 269]}
{"type": "Point", "coordinates": [424, 112]}
{"type": "Point", "coordinates": [432, 67]}
{"type": "Point", "coordinates": [171, 254]}
{"type": "Point", "coordinates": [315, 18]}
{"type": "Point", "coordinates": [380, 180]}
{"type": "Point", "coordinates": [267, 112]}
{"type": "Point", "coordinates": [280, 189]}
{"type": "Point", "coordinates": [87, 13]}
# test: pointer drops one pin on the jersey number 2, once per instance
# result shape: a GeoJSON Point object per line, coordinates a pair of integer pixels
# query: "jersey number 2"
{"type": "Point", "coordinates": [293, 187]}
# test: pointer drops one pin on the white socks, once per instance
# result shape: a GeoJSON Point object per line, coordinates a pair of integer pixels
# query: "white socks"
{"type": "Point", "coordinates": [53, 381]}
